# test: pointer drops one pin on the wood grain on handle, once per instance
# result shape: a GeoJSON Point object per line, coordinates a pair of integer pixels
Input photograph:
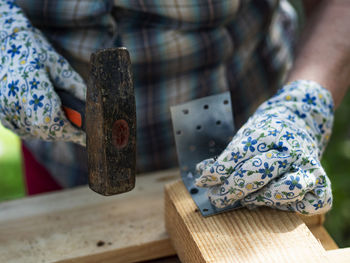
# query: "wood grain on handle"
{"type": "Point", "coordinates": [111, 123]}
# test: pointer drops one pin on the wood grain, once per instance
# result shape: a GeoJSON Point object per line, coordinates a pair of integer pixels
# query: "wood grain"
{"type": "Point", "coordinates": [341, 255]}
{"type": "Point", "coordinates": [321, 234]}
{"type": "Point", "coordinates": [67, 226]}
{"type": "Point", "coordinates": [261, 235]}
{"type": "Point", "coordinates": [111, 122]}
{"type": "Point", "coordinates": [315, 220]}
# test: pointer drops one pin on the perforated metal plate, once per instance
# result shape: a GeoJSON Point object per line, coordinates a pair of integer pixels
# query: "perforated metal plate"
{"type": "Point", "coordinates": [202, 130]}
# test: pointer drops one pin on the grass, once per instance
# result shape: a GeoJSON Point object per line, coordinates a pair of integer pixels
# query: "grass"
{"type": "Point", "coordinates": [11, 179]}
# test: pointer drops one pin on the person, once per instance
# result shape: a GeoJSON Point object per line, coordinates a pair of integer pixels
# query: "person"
{"type": "Point", "coordinates": [180, 51]}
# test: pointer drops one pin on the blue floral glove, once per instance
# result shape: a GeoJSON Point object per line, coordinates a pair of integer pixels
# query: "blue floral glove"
{"type": "Point", "coordinates": [274, 159]}
{"type": "Point", "coordinates": [29, 69]}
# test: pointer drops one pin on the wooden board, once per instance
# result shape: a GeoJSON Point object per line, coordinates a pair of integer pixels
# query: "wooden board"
{"type": "Point", "coordinates": [81, 226]}
{"type": "Point", "coordinates": [321, 234]}
{"type": "Point", "coordinates": [315, 220]}
{"type": "Point", "coordinates": [261, 235]}
{"type": "Point", "coordinates": [67, 226]}
{"type": "Point", "coordinates": [341, 255]}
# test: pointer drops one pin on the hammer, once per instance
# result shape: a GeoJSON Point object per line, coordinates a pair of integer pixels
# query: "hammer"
{"type": "Point", "coordinates": [109, 119]}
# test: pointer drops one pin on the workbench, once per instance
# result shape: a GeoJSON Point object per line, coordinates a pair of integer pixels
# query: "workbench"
{"type": "Point", "coordinates": [78, 225]}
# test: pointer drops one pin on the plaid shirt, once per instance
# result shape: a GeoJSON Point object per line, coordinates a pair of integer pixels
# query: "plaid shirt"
{"type": "Point", "coordinates": [180, 50]}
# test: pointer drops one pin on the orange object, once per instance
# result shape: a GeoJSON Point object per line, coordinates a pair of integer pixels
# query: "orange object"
{"type": "Point", "coordinates": [73, 116]}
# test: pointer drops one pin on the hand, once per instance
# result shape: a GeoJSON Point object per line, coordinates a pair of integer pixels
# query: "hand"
{"type": "Point", "coordinates": [274, 159]}
{"type": "Point", "coordinates": [30, 68]}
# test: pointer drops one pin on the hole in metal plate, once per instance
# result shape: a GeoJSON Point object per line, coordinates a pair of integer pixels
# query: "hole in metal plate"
{"type": "Point", "coordinates": [206, 106]}
{"type": "Point", "coordinates": [193, 191]}
{"type": "Point", "coordinates": [178, 132]}
{"type": "Point", "coordinates": [199, 127]}
{"type": "Point", "coordinates": [189, 175]}
{"type": "Point", "coordinates": [225, 102]}
{"type": "Point", "coordinates": [185, 111]}
{"type": "Point", "coordinates": [218, 122]}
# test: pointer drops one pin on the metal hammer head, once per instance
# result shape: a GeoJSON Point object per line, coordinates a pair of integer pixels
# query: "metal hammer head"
{"type": "Point", "coordinates": [111, 122]}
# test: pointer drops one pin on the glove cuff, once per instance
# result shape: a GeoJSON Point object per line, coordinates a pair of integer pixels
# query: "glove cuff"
{"type": "Point", "coordinates": [310, 103]}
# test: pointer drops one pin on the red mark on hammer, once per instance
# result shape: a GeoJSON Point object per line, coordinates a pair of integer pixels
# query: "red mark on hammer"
{"type": "Point", "coordinates": [120, 134]}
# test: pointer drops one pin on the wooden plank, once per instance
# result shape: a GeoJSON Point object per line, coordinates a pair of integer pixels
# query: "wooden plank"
{"type": "Point", "coordinates": [315, 225]}
{"type": "Point", "coordinates": [171, 259]}
{"type": "Point", "coordinates": [261, 235]}
{"type": "Point", "coordinates": [315, 220]}
{"type": "Point", "coordinates": [323, 237]}
{"type": "Point", "coordinates": [67, 226]}
{"type": "Point", "coordinates": [81, 226]}
{"type": "Point", "coordinates": [134, 253]}
{"type": "Point", "coordinates": [341, 255]}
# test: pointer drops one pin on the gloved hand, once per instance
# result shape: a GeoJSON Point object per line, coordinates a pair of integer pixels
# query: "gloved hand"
{"type": "Point", "coordinates": [274, 159]}
{"type": "Point", "coordinates": [29, 70]}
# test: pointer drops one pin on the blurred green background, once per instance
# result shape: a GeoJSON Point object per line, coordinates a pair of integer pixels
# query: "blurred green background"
{"type": "Point", "coordinates": [336, 162]}
{"type": "Point", "coordinates": [11, 180]}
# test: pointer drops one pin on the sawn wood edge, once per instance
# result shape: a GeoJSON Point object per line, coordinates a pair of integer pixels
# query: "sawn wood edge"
{"type": "Point", "coordinates": [259, 235]}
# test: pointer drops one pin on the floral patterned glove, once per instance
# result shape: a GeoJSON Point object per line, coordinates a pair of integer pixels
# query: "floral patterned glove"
{"type": "Point", "coordinates": [274, 159]}
{"type": "Point", "coordinates": [29, 69]}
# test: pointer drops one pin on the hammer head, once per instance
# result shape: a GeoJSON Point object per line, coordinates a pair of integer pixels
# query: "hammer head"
{"type": "Point", "coordinates": [111, 122]}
